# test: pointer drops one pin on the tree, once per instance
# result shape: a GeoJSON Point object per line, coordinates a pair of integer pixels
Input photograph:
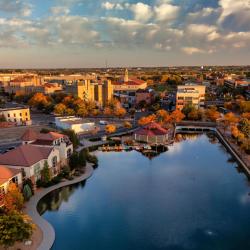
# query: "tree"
{"type": "Point", "coordinates": [69, 112]}
{"type": "Point", "coordinates": [13, 199]}
{"type": "Point", "coordinates": [110, 128]}
{"type": "Point", "coordinates": [177, 116]}
{"type": "Point", "coordinates": [60, 109]}
{"type": "Point", "coordinates": [72, 136]}
{"type": "Point", "coordinates": [246, 115]}
{"type": "Point", "coordinates": [127, 125]}
{"type": "Point", "coordinates": [212, 114]}
{"type": "Point", "coordinates": [244, 126]}
{"type": "Point", "coordinates": [45, 173]}
{"type": "Point", "coordinates": [14, 227]}
{"type": "Point", "coordinates": [82, 159]}
{"type": "Point", "coordinates": [39, 100]}
{"type": "Point", "coordinates": [245, 106]}
{"type": "Point", "coordinates": [162, 116]}
{"type": "Point", "coordinates": [74, 161]}
{"type": "Point", "coordinates": [146, 120]}
{"type": "Point", "coordinates": [120, 112]}
{"type": "Point", "coordinates": [107, 111]}
{"type": "Point", "coordinates": [230, 119]}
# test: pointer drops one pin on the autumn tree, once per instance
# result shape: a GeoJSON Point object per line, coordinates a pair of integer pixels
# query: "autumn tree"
{"type": "Point", "coordinates": [162, 116]}
{"type": "Point", "coordinates": [60, 109]}
{"type": "Point", "coordinates": [212, 114]}
{"type": "Point", "coordinates": [176, 116]}
{"type": "Point", "coordinates": [120, 112]}
{"type": "Point", "coordinates": [146, 120]}
{"type": "Point", "coordinates": [14, 227]}
{"type": "Point", "coordinates": [246, 115]}
{"type": "Point", "coordinates": [13, 199]}
{"type": "Point", "coordinates": [107, 111]}
{"type": "Point", "coordinates": [39, 100]}
{"type": "Point", "coordinates": [244, 126]}
{"type": "Point", "coordinates": [110, 128]}
{"type": "Point", "coordinates": [127, 125]}
{"type": "Point", "coordinates": [230, 119]}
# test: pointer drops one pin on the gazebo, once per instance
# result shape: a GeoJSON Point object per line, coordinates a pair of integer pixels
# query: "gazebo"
{"type": "Point", "coordinates": [152, 133]}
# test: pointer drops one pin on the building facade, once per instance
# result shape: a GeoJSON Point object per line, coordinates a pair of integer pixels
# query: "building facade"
{"type": "Point", "coordinates": [190, 94]}
{"type": "Point", "coordinates": [19, 115]}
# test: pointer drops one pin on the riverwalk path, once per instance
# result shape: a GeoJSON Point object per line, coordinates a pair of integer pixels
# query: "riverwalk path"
{"type": "Point", "coordinates": [48, 231]}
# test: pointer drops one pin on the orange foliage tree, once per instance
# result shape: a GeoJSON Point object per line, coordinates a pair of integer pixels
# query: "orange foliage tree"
{"type": "Point", "coordinates": [13, 199]}
{"type": "Point", "coordinates": [212, 114]}
{"type": "Point", "coordinates": [177, 116]}
{"type": "Point", "coordinates": [146, 119]}
{"type": "Point", "coordinates": [39, 100]}
{"type": "Point", "coordinates": [110, 128]}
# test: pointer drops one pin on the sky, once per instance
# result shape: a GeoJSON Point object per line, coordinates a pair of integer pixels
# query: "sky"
{"type": "Point", "coordinates": [126, 33]}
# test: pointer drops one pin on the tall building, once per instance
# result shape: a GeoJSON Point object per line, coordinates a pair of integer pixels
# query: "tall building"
{"type": "Point", "coordinates": [99, 91]}
{"type": "Point", "coordinates": [190, 94]}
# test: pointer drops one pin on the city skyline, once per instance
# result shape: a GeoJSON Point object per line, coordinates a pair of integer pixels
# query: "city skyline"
{"type": "Point", "coordinates": [129, 33]}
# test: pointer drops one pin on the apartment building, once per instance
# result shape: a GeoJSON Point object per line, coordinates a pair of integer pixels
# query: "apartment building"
{"type": "Point", "coordinates": [190, 94]}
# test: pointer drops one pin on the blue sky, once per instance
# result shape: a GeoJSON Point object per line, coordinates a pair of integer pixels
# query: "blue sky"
{"type": "Point", "coordinates": [85, 33]}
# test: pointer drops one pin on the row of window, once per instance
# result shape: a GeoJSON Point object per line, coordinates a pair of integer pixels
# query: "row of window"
{"type": "Point", "coordinates": [20, 114]}
{"type": "Point", "coordinates": [21, 120]}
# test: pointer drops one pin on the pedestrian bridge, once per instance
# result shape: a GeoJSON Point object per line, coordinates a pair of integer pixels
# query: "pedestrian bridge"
{"type": "Point", "coordinates": [190, 127]}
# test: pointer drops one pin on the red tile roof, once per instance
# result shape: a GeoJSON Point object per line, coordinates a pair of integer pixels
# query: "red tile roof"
{"type": "Point", "coordinates": [151, 129]}
{"type": "Point", "coordinates": [132, 81]}
{"type": "Point", "coordinates": [25, 155]}
{"type": "Point", "coordinates": [7, 173]}
{"type": "Point", "coordinates": [29, 135]}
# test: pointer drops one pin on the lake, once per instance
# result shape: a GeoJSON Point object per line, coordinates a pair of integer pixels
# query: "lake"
{"type": "Point", "coordinates": [192, 197]}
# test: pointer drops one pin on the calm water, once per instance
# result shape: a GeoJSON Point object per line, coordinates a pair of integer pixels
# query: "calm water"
{"type": "Point", "coordinates": [191, 197]}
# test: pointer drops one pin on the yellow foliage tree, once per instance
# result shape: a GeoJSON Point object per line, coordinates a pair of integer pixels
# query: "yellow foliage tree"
{"type": "Point", "coordinates": [13, 200]}
{"type": "Point", "coordinates": [110, 128]}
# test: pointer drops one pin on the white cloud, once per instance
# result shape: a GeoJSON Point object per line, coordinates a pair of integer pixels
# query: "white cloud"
{"type": "Point", "coordinates": [57, 10]}
{"type": "Point", "coordinates": [142, 12]}
{"type": "Point", "coordinates": [192, 50]}
{"type": "Point", "coordinates": [166, 12]}
{"type": "Point", "coordinates": [112, 6]}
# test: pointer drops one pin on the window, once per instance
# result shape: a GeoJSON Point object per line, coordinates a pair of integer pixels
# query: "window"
{"type": "Point", "coordinates": [15, 120]}
{"type": "Point", "coordinates": [26, 114]}
{"type": "Point", "coordinates": [8, 115]}
{"type": "Point", "coordinates": [14, 114]}
{"type": "Point", "coordinates": [14, 180]}
{"type": "Point", "coordinates": [20, 114]}
{"type": "Point", "coordinates": [54, 161]}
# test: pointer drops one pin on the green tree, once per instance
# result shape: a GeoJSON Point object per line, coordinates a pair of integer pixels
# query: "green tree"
{"type": "Point", "coordinates": [14, 227]}
{"type": "Point", "coordinates": [74, 161]}
{"type": "Point", "coordinates": [45, 173]}
{"type": "Point", "coordinates": [72, 136]}
{"type": "Point", "coordinates": [82, 159]}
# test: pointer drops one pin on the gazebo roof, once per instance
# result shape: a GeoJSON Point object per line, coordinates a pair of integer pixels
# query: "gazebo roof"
{"type": "Point", "coordinates": [152, 129]}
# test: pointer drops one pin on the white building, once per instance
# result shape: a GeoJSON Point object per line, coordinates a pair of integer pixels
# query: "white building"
{"type": "Point", "coordinates": [74, 123]}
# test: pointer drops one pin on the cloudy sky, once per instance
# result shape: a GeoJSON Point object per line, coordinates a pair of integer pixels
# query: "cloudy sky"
{"type": "Point", "coordinates": [85, 33]}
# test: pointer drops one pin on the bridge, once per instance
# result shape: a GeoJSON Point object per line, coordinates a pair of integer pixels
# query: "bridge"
{"type": "Point", "coordinates": [192, 126]}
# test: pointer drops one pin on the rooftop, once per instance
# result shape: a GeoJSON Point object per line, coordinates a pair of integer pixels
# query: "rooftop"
{"type": "Point", "coordinates": [7, 173]}
{"type": "Point", "coordinates": [25, 155]}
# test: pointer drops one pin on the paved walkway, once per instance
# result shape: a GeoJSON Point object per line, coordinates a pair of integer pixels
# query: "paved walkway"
{"type": "Point", "coordinates": [31, 208]}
